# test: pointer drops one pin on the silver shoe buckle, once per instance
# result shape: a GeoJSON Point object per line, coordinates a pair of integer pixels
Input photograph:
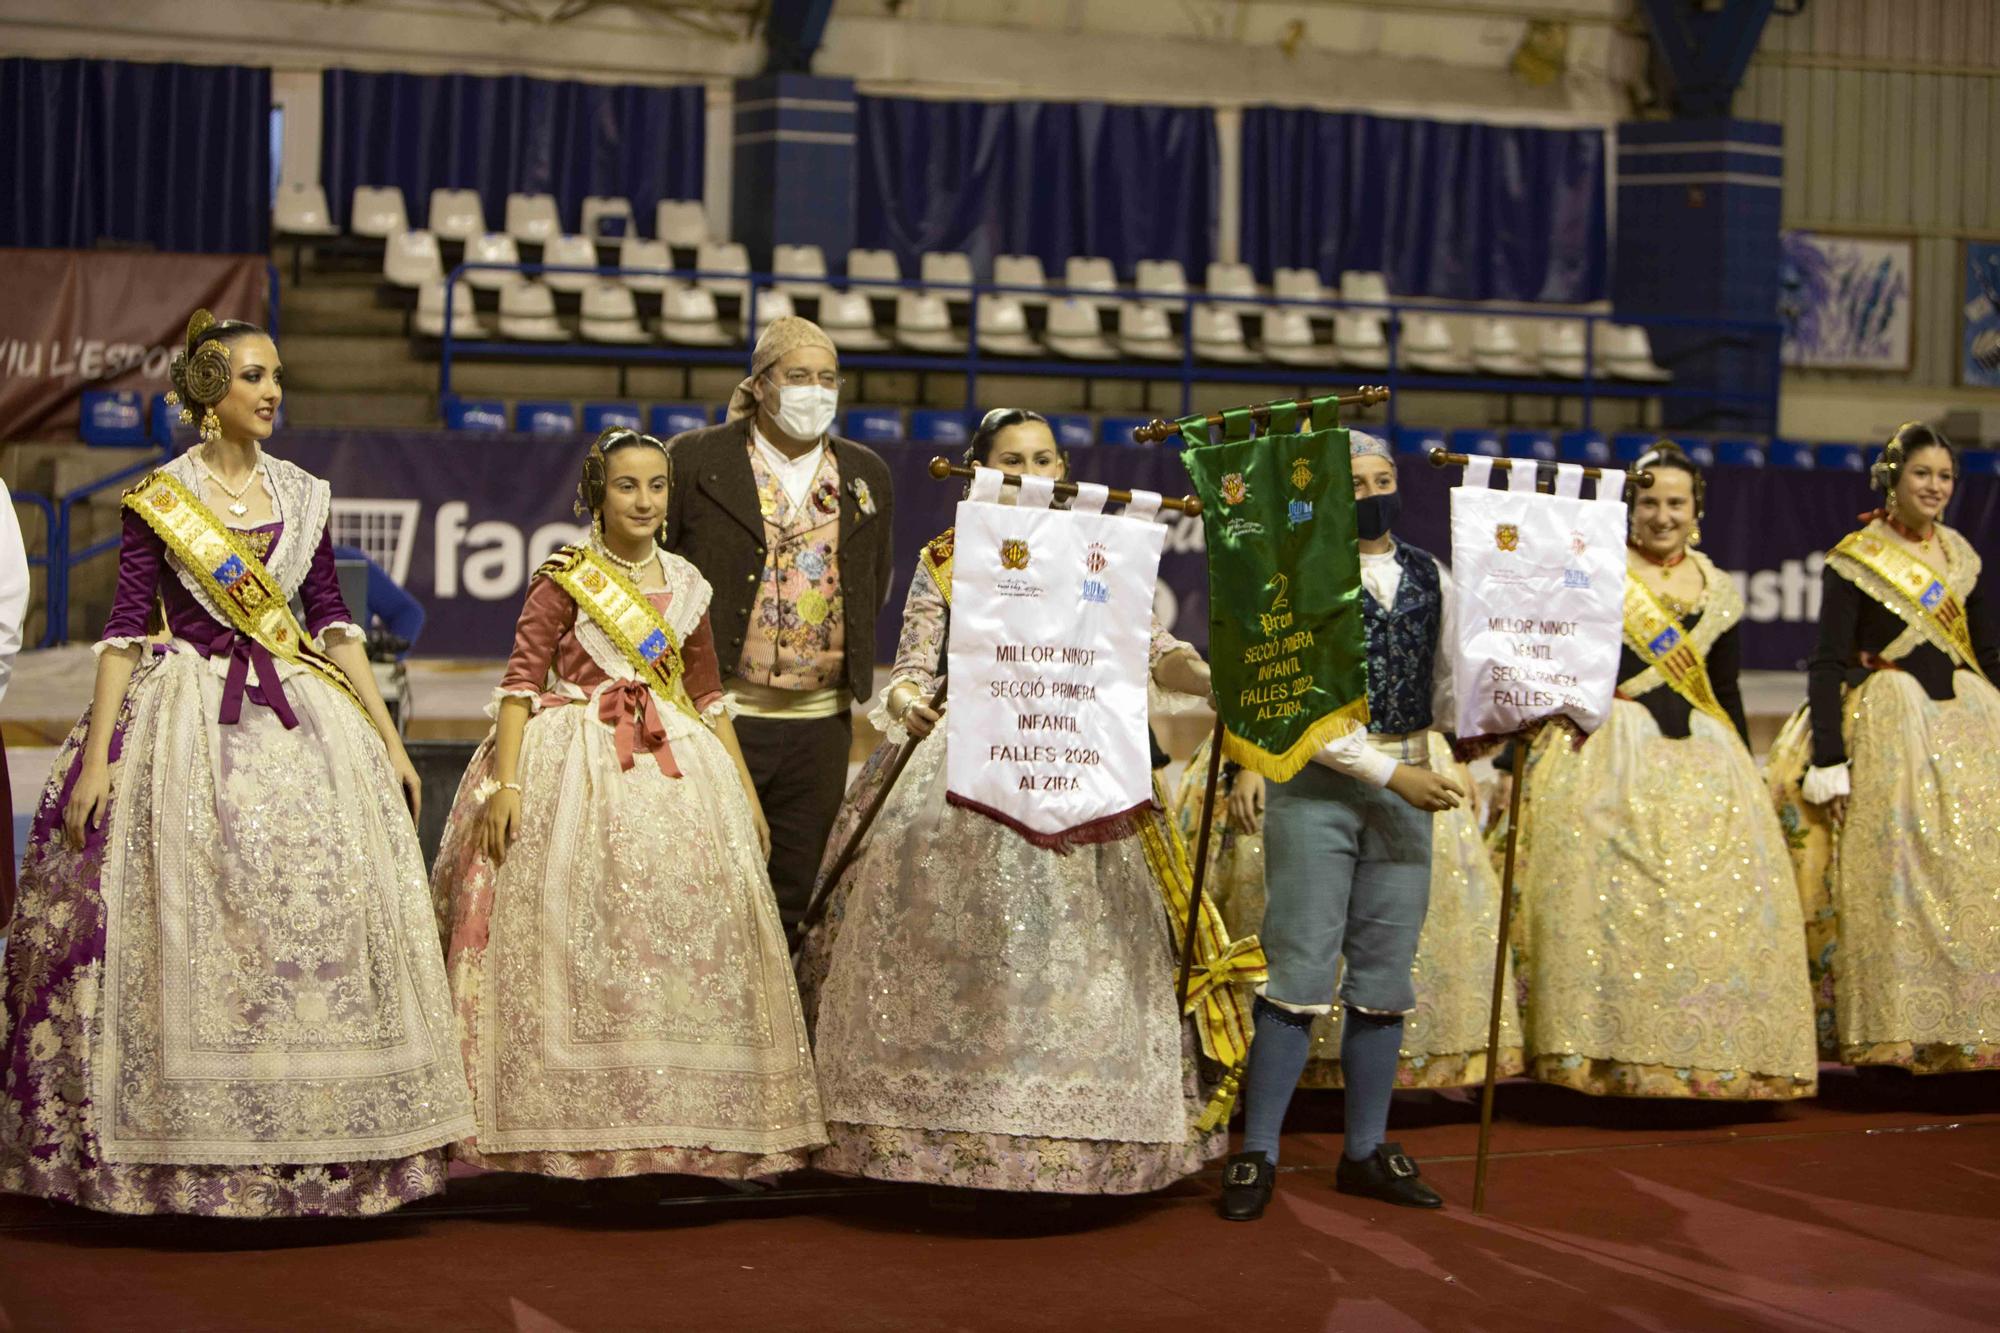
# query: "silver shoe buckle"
{"type": "Point", "coordinates": [1240, 1173]}
{"type": "Point", "coordinates": [1400, 1165]}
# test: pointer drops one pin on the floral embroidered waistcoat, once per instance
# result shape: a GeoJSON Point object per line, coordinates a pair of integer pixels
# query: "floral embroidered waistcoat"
{"type": "Point", "coordinates": [797, 636]}
{"type": "Point", "coordinates": [1402, 647]}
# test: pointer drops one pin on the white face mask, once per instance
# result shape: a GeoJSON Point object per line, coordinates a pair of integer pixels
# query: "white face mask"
{"type": "Point", "coordinates": [805, 411]}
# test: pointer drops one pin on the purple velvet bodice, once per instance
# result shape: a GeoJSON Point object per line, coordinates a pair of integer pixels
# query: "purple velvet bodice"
{"type": "Point", "coordinates": [143, 571]}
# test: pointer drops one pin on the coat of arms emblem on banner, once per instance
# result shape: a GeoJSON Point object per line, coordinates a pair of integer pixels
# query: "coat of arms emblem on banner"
{"type": "Point", "coordinates": [1506, 536]}
{"type": "Point", "coordinates": [1013, 553]}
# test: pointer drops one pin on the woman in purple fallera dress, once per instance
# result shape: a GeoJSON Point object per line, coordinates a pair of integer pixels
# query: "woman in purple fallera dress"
{"type": "Point", "coordinates": [223, 993]}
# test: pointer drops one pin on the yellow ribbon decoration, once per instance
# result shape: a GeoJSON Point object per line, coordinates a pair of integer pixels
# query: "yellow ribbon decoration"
{"type": "Point", "coordinates": [1226, 971]}
{"type": "Point", "coordinates": [231, 575]}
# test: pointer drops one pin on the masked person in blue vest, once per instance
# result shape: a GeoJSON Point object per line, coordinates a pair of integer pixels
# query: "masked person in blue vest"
{"type": "Point", "coordinates": [1347, 846]}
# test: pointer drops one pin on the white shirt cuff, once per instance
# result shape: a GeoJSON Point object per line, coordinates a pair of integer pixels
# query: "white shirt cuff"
{"type": "Point", "coordinates": [1824, 784]}
{"type": "Point", "coordinates": [1353, 755]}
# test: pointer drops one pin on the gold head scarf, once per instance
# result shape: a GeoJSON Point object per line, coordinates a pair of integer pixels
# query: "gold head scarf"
{"type": "Point", "coordinates": [781, 337]}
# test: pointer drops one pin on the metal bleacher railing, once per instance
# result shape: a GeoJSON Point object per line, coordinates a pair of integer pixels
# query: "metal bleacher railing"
{"type": "Point", "coordinates": [1757, 342]}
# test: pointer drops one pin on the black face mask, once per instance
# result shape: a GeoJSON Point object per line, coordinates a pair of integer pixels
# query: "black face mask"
{"type": "Point", "coordinates": [1376, 514]}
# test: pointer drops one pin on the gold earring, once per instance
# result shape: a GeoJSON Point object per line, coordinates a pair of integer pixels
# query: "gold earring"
{"type": "Point", "coordinates": [211, 426]}
{"type": "Point", "coordinates": [1694, 535]}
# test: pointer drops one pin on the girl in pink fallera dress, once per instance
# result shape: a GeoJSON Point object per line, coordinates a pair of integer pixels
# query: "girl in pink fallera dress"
{"type": "Point", "coordinates": [624, 994]}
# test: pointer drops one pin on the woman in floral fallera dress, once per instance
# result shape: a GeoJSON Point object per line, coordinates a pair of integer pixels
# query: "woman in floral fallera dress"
{"type": "Point", "coordinates": [622, 983]}
{"type": "Point", "coordinates": [223, 993]}
{"type": "Point", "coordinates": [990, 1013]}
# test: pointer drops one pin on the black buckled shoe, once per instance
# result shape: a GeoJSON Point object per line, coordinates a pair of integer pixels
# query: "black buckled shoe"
{"type": "Point", "coordinates": [1388, 1175]}
{"type": "Point", "coordinates": [1247, 1183]}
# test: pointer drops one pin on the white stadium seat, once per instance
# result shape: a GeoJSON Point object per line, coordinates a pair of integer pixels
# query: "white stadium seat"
{"type": "Point", "coordinates": [950, 270]}
{"type": "Point", "coordinates": [687, 317]}
{"type": "Point", "coordinates": [532, 218]}
{"type": "Point", "coordinates": [723, 257]}
{"type": "Point", "coordinates": [1145, 335]}
{"type": "Point", "coordinates": [1625, 352]}
{"type": "Point", "coordinates": [465, 321]}
{"type": "Point", "coordinates": [874, 266]}
{"type": "Point", "coordinates": [849, 320]}
{"type": "Point", "coordinates": [601, 208]}
{"type": "Point", "coordinates": [411, 260]}
{"type": "Point", "coordinates": [1289, 341]}
{"type": "Point", "coordinates": [1090, 274]}
{"type": "Point", "coordinates": [571, 252]}
{"type": "Point", "coordinates": [1003, 328]}
{"type": "Point", "coordinates": [377, 212]}
{"type": "Point", "coordinates": [1297, 284]}
{"type": "Point", "coordinates": [456, 215]}
{"type": "Point", "coordinates": [636, 254]}
{"type": "Point", "coordinates": [1161, 282]}
{"type": "Point", "coordinates": [1561, 351]}
{"type": "Point", "coordinates": [1074, 331]}
{"type": "Point", "coordinates": [528, 313]}
{"type": "Point", "coordinates": [1020, 271]}
{"type": "Point", "coordinates": [771, 305]}
{"type": "Point", "coordinates": [800, 269]}
{"type": "Point", "coordinates": [611, 316]}
{"type": "Point", "coordinates": [1361, 339]}
{"type": "Point", "coordinates": [1360, 285]}
{"type": "Point", "coordinates": [493, 248]}
{"type": "Point", "coordinates": [300, 210]}
{"type": "Point", "coordinates": [923, 324]}
{"type": "Point", "coordinates": [1427, 345]}
{"type": "Point", "coordinates": [1231, 279]}
{"type": "Point", "coordinates": [1218, 335]}
{"type": "Point", "coordinates": [1496, 349]}
{"type": "Point", "coordinates": [681, 223]}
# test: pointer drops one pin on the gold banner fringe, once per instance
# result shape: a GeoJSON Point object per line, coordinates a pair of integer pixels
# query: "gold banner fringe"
{"type": "Point", "coordinates": [1349, 717]}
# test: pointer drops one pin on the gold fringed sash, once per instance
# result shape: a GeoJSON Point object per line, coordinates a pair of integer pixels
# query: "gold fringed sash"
{"type": "Point", "coordinates": [937, 558]}
{"type": "Point", "coordinates": [1226, 971]}
{"type": "Point", "coordinates": [234, 579]}
{"type": "Point", "coordinates": [1662, 643]}
{"type": "Point", "coordinates": [642, 636]}
{"type": "Point", "coordinates": [1914, 590]}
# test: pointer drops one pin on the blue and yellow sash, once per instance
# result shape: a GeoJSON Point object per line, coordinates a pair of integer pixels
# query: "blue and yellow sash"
{"type": "Point", "coordinates": [233, 577]}
{"type": "Point", "coordinates": [1915, 591]}
{"type": "Point", "coordinates": [1661, 642]}
{"type": "Point", "coordinates": [642, 636]}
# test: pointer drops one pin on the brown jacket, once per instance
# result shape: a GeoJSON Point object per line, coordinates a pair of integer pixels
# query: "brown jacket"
{"type": "Point", "coordinates": [713, 520]}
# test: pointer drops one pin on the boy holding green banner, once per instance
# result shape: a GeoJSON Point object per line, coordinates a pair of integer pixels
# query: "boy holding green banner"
{"type": "Point", "coordinates": [1329, 691]}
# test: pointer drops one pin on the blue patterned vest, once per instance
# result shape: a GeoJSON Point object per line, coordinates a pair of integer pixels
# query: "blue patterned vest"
{"type": "Point", "coordinates": [1402, 646]}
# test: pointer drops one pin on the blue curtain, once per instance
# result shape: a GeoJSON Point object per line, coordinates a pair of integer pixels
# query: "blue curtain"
{"type": "Point", "coordinates": [177, 157]}
{"type": "Point", "coordinates": [508, 135]}
{"type": "Point", "coordinates": [1445, 209]}
{"type": "Point", "coordinates": [1051, 179]}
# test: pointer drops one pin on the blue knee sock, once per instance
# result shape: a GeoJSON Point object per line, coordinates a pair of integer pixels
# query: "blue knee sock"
{"type": "Point", "coordinates": [1278, 1053]}
{"type": "Point", "coordinates": [1369, 1049]}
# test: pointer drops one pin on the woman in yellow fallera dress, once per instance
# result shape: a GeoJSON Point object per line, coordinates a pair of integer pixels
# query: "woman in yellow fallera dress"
{"type": "Point", "coordinates": [1658, 936]}
{"type": "Point", "coordinates": [1895, 765]}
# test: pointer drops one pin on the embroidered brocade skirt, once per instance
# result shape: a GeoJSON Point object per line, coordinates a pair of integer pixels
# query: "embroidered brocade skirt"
{"type": "Point", "coordinates": [1444, 1037]}
{"type": "Point", "coordinates": [623, 989]}
{"type": "Point", "coordinates": [230, 1002]}
{"type": "Point", "coordinates": [1902, 903]}
{"type": "Point", "coordinates": [994, 1015]}
{"type": "Point", "coordinates": [1658, 934]}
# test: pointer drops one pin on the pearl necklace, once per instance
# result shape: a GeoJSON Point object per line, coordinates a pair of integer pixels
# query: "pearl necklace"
{"type": "Point", "coordinates": [236, 505]}
{"type": "Point", "coordinates": [633, 568]}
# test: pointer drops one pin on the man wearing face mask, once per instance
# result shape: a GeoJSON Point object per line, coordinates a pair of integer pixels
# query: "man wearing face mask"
{"type": "Point", "coordinates": [790, 525]}
{"type": "Point", "coordinates": [1347, 870]}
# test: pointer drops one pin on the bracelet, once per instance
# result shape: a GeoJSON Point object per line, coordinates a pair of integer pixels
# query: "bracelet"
{"type": "Point", "coordinates": [510, 786]}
